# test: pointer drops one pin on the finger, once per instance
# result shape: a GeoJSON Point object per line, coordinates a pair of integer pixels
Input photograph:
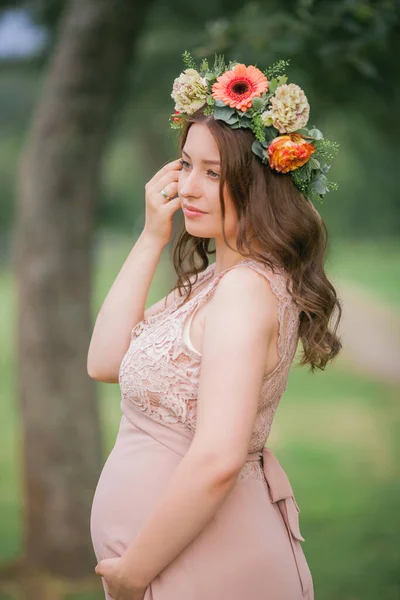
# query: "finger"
{"type": "Point", "coordinates": [171, 166]}
{"type": "Point", "coordinates": [171, 177]}
{"type": "Point", "coordinates": [172, 190]}
{"type": "Point", "coordinates": [174, 205]}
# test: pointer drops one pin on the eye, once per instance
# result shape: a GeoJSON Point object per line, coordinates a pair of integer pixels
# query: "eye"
{"type": "Point", "coordinates": [213, 174]}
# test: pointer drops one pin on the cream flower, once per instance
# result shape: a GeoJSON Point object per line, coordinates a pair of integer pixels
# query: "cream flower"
{"type": "Point", "coordinates": [266, 118]}
{"type": "Point", "coordinates": [289, 109]}
{"type": "Point", "coordinates": [189, 91]}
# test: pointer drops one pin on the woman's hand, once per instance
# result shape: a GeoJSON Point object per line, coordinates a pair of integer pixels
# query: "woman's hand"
{"type": "Point", "coordinates": [118, 585]}
{"type": "Point", "coordinates": [159, 210]}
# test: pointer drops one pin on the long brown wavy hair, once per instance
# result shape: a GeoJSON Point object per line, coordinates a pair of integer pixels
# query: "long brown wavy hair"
{"type": "Point", "coordinates": [271, 210]}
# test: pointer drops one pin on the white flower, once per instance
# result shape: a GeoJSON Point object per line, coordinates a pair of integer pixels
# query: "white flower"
{"type": "Point", "coordinates": [266, 118]}
{"type": "Point", "coordinates": [189, 91]}
{"type": "Point", "coordinates": [290, 109]}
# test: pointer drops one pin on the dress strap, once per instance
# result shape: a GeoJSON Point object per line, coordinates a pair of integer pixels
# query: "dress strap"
{"type": "Point", "coordinates": [287, 311]}
{"type": "Point", "coordinates": [164, 311]}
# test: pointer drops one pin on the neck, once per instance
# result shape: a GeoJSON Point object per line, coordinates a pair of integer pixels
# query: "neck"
{"type": "Point", "coordinates": [225, 257]}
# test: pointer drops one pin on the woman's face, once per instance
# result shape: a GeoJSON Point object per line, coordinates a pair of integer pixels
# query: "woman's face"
{"type": "Point", "coordinates": [198, 185]}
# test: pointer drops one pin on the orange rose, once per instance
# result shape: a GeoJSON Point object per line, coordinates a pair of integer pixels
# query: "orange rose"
{"type": "Point", "coordinates": [289, 152]}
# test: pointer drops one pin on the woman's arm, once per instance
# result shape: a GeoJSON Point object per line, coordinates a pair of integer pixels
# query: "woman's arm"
{"type": "Point", "coordinates": [241, 324]}
{"type": "Point", "coordinates": [122, 309]}
{"type": "Point", "coordinates": [125, 302]}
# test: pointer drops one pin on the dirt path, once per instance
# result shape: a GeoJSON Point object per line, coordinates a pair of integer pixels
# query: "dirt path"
{"type": "Point", "coordinates": [370, 333]}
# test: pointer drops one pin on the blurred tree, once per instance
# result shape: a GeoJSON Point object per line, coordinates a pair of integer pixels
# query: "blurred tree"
{"type": "Point", "coordinates": [342, 52]}
{"type": "Point", "coordinates": [53, 243]}
{"type": "Point", "coordinates": [345, 50]}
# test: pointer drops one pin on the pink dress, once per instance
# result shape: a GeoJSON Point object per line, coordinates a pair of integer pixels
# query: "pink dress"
{"type": "Point", "coordinates": [252, 547]}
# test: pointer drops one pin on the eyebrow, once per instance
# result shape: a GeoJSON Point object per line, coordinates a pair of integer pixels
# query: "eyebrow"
{"type": "Point", "coordinates": [206, 162]}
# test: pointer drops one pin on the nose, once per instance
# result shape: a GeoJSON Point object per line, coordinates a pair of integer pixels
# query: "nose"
{"type": "Point", "coordinates": [189, 185]}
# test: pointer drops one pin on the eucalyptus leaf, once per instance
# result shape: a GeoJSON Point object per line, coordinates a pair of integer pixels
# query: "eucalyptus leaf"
{"type": "Point", "coordinates": [245, 123]}
{"type": "Point", "coordinates": [225, 114]}
{"type": "Point", "coordinates": [318, 186]}
{"type": "Point", "coordinates": [273, 84]}
{"type": "Point", "coordinates": [258, 149]}
{"type": "Point", "coordinates": [271, 133]}
{"type": "Point", "coordinates": [302, 131]}
{"type": "Point", "coordinates": [221, 104]}
{"type": "Point", "coordinates": [232, 120]}
{"type": "Point", "coordinates": [315, 134]}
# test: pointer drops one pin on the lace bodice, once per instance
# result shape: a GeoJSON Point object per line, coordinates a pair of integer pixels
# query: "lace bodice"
{"type": "Point", "coordinates": [160, 371]}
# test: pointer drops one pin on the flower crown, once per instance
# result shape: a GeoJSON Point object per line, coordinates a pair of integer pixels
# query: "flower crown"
{"type": "Point", "coordinates": [262, 101]}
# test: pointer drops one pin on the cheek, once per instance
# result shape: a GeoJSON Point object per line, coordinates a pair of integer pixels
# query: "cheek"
{"type": "Point", "coordinates": [230, 215]}
{"type": "Point", "coordinates": [230, 212]}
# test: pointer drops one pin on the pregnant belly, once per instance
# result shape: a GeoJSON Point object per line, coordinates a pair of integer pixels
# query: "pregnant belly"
{"type": "Point", "coordinates": [133, 478]}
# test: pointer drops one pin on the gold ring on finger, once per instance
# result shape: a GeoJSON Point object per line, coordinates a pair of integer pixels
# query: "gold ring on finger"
{"type": "Point", "coordinates": [164, 193]}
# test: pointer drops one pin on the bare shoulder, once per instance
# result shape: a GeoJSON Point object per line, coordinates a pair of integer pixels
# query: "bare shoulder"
{"type": "Point", "coordinates": [247, 294]}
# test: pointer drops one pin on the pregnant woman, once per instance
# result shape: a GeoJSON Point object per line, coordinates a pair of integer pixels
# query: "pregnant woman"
{"type": "Point", "coordinates": [191, 504]}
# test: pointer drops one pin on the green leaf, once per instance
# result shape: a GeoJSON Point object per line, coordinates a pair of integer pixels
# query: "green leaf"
{"type": "Point", "coordinates": [228, 117]}
{"type": "Point", "coordinates": [271, 133]}
{"type": "Point", "coordinates": [224, 112]}
{"type": "Point", "coordinates": [303, 131]}
{"type": "Point", "coordinates": [188, 60]}
{"type": "Point", "coordinates": [221, 104]}
{"type": "Point", "coordinates": [246, 117]}
{"type": "Point", "coordinates": [302, 173]}
{"type": "Point", "coordinates": [258, 149]}
{"type": "Point", "coordinates": [315, 134]}
{"type": "Point", "coordinates": [318, 186]}
{"type": "Point", "coordinates": [273, 84]}
{"type": "Point", "coordinates": [276, 69]}
{"type": "Point", "coordinates": [314, 163]}
{"type": "Point", "coordinates": [245, 123]}
{"type": "Point", "coordinates": [204, 65]}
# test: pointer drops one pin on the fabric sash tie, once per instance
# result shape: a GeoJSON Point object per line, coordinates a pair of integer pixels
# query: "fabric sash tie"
{"type": "Point", "coordinates": [281, 492]}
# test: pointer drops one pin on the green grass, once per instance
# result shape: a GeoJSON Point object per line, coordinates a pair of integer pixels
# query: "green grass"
{"type": "Point", "coordinates": [335, 434]}
{"type": "Point", "coordinates": [374, 265]}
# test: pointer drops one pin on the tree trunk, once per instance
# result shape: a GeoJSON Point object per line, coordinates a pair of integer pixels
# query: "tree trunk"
{"type": "Point", "coordinates": [59, 178]}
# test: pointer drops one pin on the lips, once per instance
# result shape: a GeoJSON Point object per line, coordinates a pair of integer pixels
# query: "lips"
{"type": "Point", "coordinates": [194, 209]}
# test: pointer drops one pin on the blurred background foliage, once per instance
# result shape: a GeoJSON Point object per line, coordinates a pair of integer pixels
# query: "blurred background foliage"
{"type": "Point", "coordinates": [337, 434]}
{"type": "Point", "coordinates": [342, 53]}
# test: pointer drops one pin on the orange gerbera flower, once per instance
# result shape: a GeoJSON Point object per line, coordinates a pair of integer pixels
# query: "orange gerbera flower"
{"type": "Point", "coordinates": [238, 87]}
